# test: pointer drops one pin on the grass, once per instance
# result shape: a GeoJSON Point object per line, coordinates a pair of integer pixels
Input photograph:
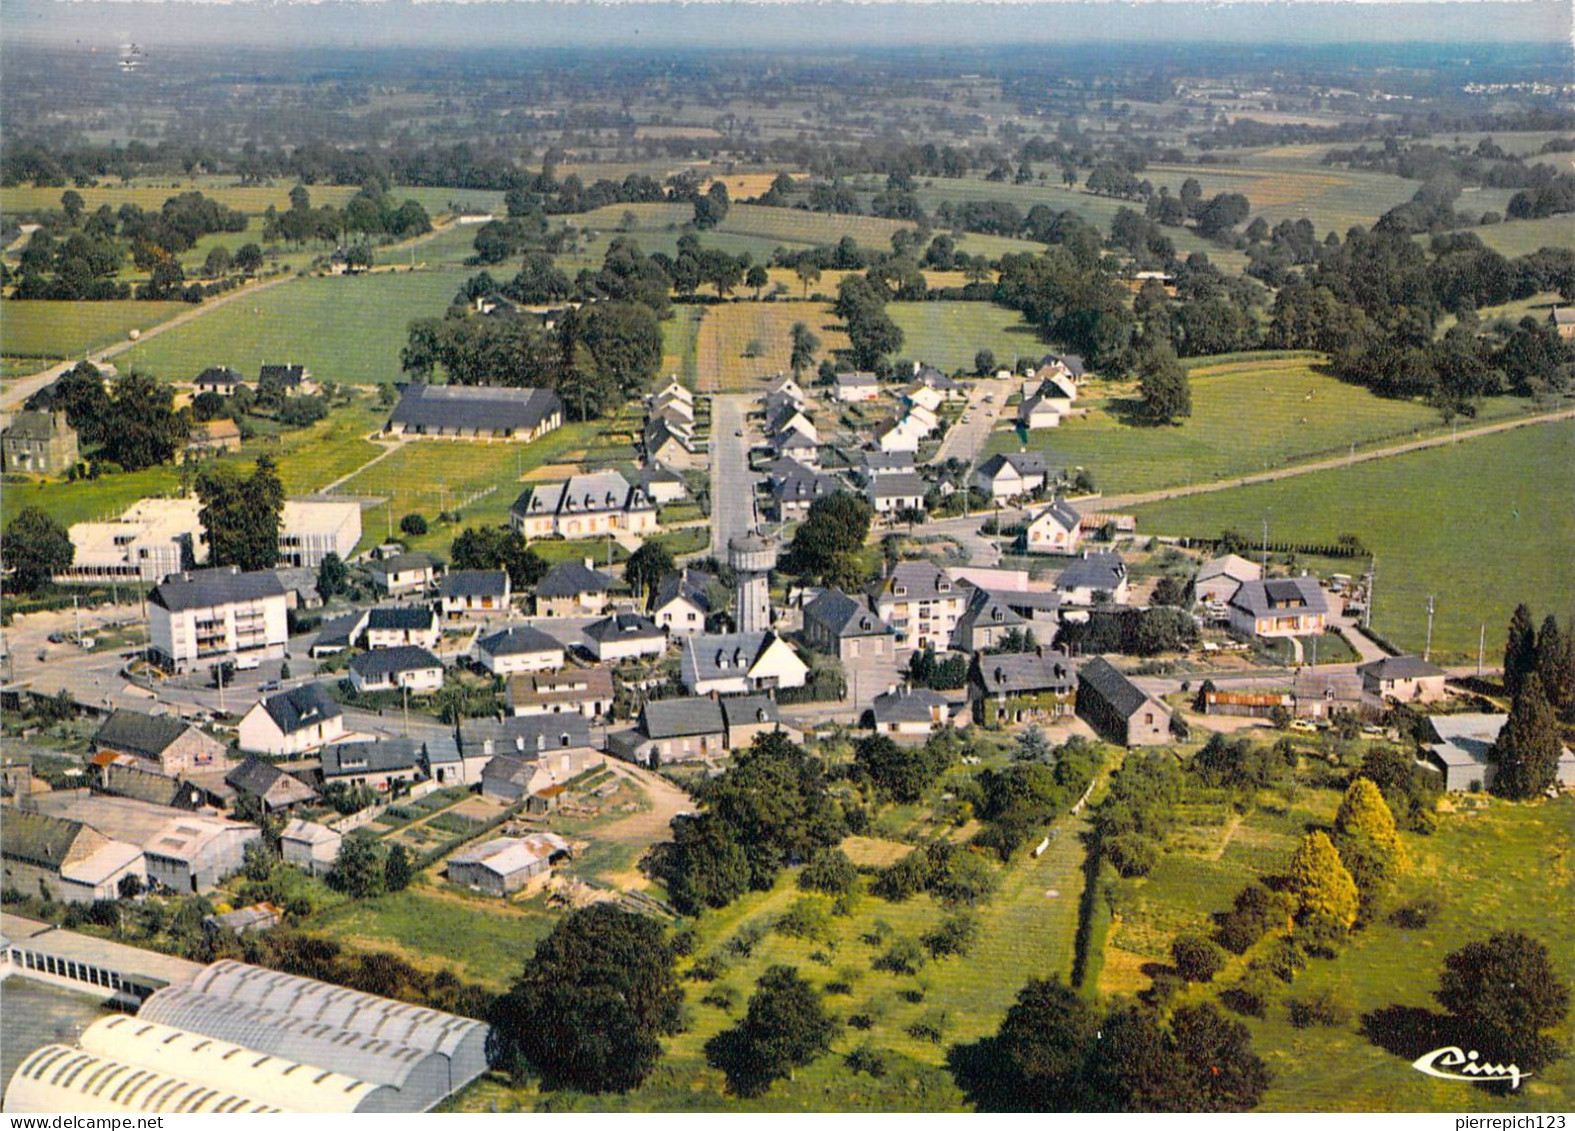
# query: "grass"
{"type": "Point", "coordinates": [1466, 524]}
{"type": "Point", "coordinates": [150, 193]}
{"type": "Point", "coordinates": [1247, 416]}
{"type": "Point", "coordinates": [1521, 237]}
{"type": "Point", "coordinates": [726, 332]}
{"type": "Point", "coordinates": [66, 329]}
{"type": "Point", "coordinates": [347, 330]}
{"type": "Point", "coordinates": [947, 335]}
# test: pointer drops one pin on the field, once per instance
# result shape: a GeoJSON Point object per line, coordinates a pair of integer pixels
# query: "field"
{"type": "Point", "coordinates": [1494, 867]}
{"type": "Point", "coordinates": [67, 329]}
{"type": "Point", "coordinates": [347, 330]}
{"type": "Point", "coordinates": [726, 332]}
{"type": "Point", "coordinates": [1248, 416]}
{"type": "Point", "coordinates": [1469, 524]}
{"type": "Point", "coordinates": [151, 193]}
{"type": "Point", "coordinates": [1333, 198]}
{"type": "Point", "coordinates": [1521, 237]}
{"type": "Point", "coordinates": [948, 334]}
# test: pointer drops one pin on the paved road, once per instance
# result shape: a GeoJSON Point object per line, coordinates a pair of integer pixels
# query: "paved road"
{"type": "Point", "coordinates": [966, 438]}
{"type": "Point", "coordinates": [1122, 502]}
{"type": "Point", "coordinates": [732, 483]}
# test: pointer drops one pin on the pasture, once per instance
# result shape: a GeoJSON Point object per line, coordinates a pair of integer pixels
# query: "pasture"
{"type": "Point", "coordinates": [151, 193]}
{"type": "Point", "coordinates": [947, 335]}
{"type": "Point", "coordinates": [1471, 524]}
{"type": "Point", "coordinates": [68, 329]}
{"type": "Point", "coordinates": [346, 329]}
{"type": "Point", "coordinates": [727, 331]}
{"type": "Point", "coordinates": [1332, 197]}
{"type": "Point", "coordinates": [1249, 414]}
{"type": "Point", "coordinates": [1522, 237]}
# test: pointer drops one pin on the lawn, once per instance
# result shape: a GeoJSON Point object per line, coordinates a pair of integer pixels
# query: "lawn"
{"type": "Point", "coordinates": [1470, 524]}
{"type": "Point", "coordinates": [1492, 866]}
{"type": "Point", "coordinates": [66, 329]}
{"type": "Point", "coordinates": [727, 331]}
{"type": "Point", "coordinates": [347, 330]}
{"type": "Point", "coordinates": [1248, 415]}
{"type": "Point", "coordinates": [947, 335]}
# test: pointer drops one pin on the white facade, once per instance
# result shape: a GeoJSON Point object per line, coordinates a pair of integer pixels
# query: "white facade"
{"type": "Point", "coordinates": [192, 637]}
{"type": "Point", "coordinates": [259, 734]}
{"type": "Point", "coordinates": [151, 540]}
{"type": "Point", "coordinates": [416, 679]}
{"type": "Point", "coordinates": [517, 662]}
{"type": "Point", "coordinates": [310, 531]}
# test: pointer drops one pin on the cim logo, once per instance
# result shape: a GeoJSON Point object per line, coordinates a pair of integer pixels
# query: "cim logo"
{"type": "Point", "coordinates": [1467, 1067]}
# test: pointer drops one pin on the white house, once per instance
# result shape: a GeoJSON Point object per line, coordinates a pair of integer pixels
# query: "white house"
{"type": "Point", "coordinates": [1011, 474]}
{"type": "Point", "coordinates": [900, 437]}
{"type": "Point", "coordinates": [922, 396]}
{"type": "Point", "coordinates": [1094, 579]}
{"type": "Point", "coordinates": [587, 506]}
{"type": "Point", "coordinates": [389, 669]}
{"type": "Point", "coordinates": [1287, 606]}
{"type": "Point", "coordinates": [901, 491]}
{"type": "Point", "coordinates": [738, 662]}
{"type": "Point", "coordinates": [1055, 530]}
{"type": "Point", "coordinates": [292, 722]}
{"type": "Point", "coordinates": [625, 636]}
{"type": "Point", "coordinates": [855, 388]}
{"type": "Point", "coordinates": [682, 603]}
{"type": "Point", "coordinates": [1037, 413]}
{"type": "Point", "coordinates": [920, 603]}
{"type": "Point", "coordinates": [473, 592]}
{"type": "Point", "coordinates": [519, 649]}
{"type": "Point", "coordinates": [399, 574]}
{"type": "Point", "coordinates": [1219, 578]}
{"type": "Point", "coordinates": [403, 624]}
{"type": "Point", "coordinates": [213, 615]}
{"type": "Point", "coordinates": [909, 712]}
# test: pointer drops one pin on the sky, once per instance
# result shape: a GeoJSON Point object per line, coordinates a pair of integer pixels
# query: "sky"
{"type": "Point", "coordinates": [773, 23]}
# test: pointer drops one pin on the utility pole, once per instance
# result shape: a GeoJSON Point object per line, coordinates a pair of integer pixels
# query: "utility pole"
{"type": "Point", "coordinates": [1428, 647]}
{"type": "Point", "coordinates": [1265, 543]}
{"type": "Point", "coordinates": [406, 688]}
{"type": "Point", "coordinates": [1481, 648]}
{"type": "Point", "coordinates": [1372, 592]}
{"type": "Point", "coordinates": [76, 611]}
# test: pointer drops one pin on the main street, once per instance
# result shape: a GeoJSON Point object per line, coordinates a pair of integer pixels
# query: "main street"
{"type": "Point", "coordinates": [966, 439]}
{"type": "Point", "coordinates": [732, 483]}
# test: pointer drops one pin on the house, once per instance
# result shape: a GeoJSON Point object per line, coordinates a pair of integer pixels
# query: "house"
{"type": "Point", "coordinates": [399, 574]}
{"type": "Point", "coordinates": [933, 378]}
{"type": "Point", "coordinates": [790, 418]}
{"type": "Point", "coordinates": [379, 765]}
{"type": "Point", "coordinates": [1118, 708]}
{"type": "Point", "coordinates": [292, 722]}
{"type": "Point", "coordinates": [587, 506]}
{"type": "Point", "coordinates": [683, 602]}
{"type": "Point", "coordinates": [311, 529]}
{"type": "Point", "coordinates": [921, 396]}
{"type": "Point", "coordinates": [921, 603]}
{"type": "Point", "coordinates": [473, 592]}
{"type": "Point", "coordinates": [1219, 578]}
{"type": "Point", "coordinates": [899, 491]}
{"type": "Point", "coordinates": [661, 484]}
{"type": "Point", "coordinates": [625, 636]}
{"type": "Point", "coordinates": [1011, 475]}
{"type": "Point", "coordinates": [1017, 687]}
{"type": "Point", "coordinates": [1094, 579]}
{"type": "Point", "coordinates": [795, 487]}
{"type": "Point", "coordinates": [675, 730]}
{"type": "Point", "coordinates": [1058, 391]}
{"type": "Point", "coordinates": [560, 743]}
{"type": "Point", "coordinates": [519, 649]}
{"type": "Point", "coordinates": [985, 623]}
{"type": "Point", "coordinates": [39, 443]}
{"type": "Point", "coordinates": [219, 379]}
{"type": "Point", "coordinates": [856, 387]}
{"type": "Point", "coordinates": [898, 436]}
{"type": "Point", "coordinates": [1055, 530]}
{"type": "Point", "coordinates": [506, 864]}
{"type": "Point", "coordinates": [573, 690]}
{"type": "Point", "coordinates": [275, 790]}
{"type": "Point", "coordinates": [793, 444]}
{"type": "Point", "coordinates": [1562, 319]}
{"type": "Point", "coordinates": [884, 463]}
{"type": "Point", "coordinates": [338, 635]}
{"type": "Point", "coordinates": [208, 616]}
{"type": "Point", "coordinates": [1038, 412]}
{"type": "Point", "coordinates": [673, 392]}
{"type": "Point", "coordinates": [389, 669]}
{"type": "Point", "coordinates": [785, 387]}
{"type": "Point", "coordinates": [398, 625]}
{"type": "Point", "coordinates": [1408, 679]}
{"type": "Point", "coordinates": [1319, 693]}
{"type": "Point", "coordinates": [905, 712]}
{"type": "Point", "coordinates": [737, 662]}
{"type": "Point", "coordinates": [475, 412]}
{"type": "Point", "coordinates": [747, 717]}
{"type": "Point", "coordinates": [1288, 606]}
{"type": "Point", "coordinates": [572, 589]}
{"type": "Point", "coordinates": [836, 624]}
{"type": "Point", "coordinates": [660, 441]}
{"type": "Point", "coordinates": [67, 859]}
{"type": "Point", "coordinates": [300, 587]}
{"type": "Point", "coordinates": [289, 378]}
{"type": "Point", "coordinates": [162, 742]}
{"type": "Point", "coordinates": [210, 437]}
{"type": "Point", "coordinates": [311, 847]}
{"type": "Point", "coordinates": [1459, 749]}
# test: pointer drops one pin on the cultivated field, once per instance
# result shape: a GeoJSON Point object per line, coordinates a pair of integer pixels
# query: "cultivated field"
{"type": "Point", "coordinates": [68, 329]}
{"type": "Point", "coordinates": [947, 335]}
{"type": "Point", "coordinates": [348, 330]}
{"type": "Point", "coordinates": [726, 332]}
{"type": "Point", "coordinates": [151, 193]}
{"type": "Point", "coordinates": [1470, 524]}
{"type": "Point", "coordinates": [1521, 237]}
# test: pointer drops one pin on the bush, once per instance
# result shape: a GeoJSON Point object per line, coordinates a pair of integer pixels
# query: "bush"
{"type": "Point", "coordinates": [904, 956]}
{"type": "Point", "coordinates": [1285, 959]}
{"type": "Point", "coordinates": [829, 871]}
{"type": "Point", "coordinates": [1323, 1007]}
{"type": "Point", "coordinates": [955, 934]}
{"type": "Point", "coordinates": [722, 997]}
{"type": "Point", "coordinates": [413, 524]}
{"type": "Point", "coordinates": [708, 969]}
{"type": "Point", "coordinates": [1196, 958]}
{"type": "Point", "coordinates": [1132, 855]}
{"type": "Point", "coordinates": [871, 1061]}
{"type": "Point", "coordinates": [931, 1027]}
{"type": "Point", "coordinates": [806, 919]}
{"type": "Point", "coordinates": [1415, 914]}
{"type": "Point", "coordinates": [1250, 996]}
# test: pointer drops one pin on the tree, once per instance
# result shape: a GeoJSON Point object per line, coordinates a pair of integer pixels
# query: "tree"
{"type": "Point", "coordinates": [1508, 990]}
{"type": "Point", "coordinates": [805, 344]}
{"type": "Point", "coordinates": [360, 870]}
{"type": "Point", "coordinates": [1324, 890]}
{"type": "Point", "coordinates": [398, 869]}
{"type": "Point", "coordinates": [756, 279]}
{"type": "Point", "coordinates": [36, 548]}
{"type": "Point", "coordinates": [248, 258]}
{"type": "Point", "coordinates": [1554, 652]}
{"type": "Point", "coordinates": [1527, 750]}
{"type": "Point", "coordinates": [241, 514]}
{"type": "Point", "coordinates": [1197, 959]}
{"type": "Point", "coordinates": [646, 568]}
{"type": "Point", "coordinates": [333, 576]}
{"type": "Point", "coordinates": [1167, 395]}
{"type": "Point", "coordinates": [1221, 1073]}
{"type": "Point", "coordinates": [1045, 1039]}
{"type": "Point", "coordinates": [899, 773]}
{"type": "Point", "coordinates": [808, 274]}
{"type": "Point", "coordinates": [786, 1027]}
{"type": "Point", "coordinates": [830, 871]}
{"type": "Point", "coordinates": [984, 363]}
{"type": "Point", "coordinates": [80, 394]}
{"type": "Point", "coordinates": [498, 547]}
{"type": "Point", "coordinates": [1369, 845]}
{"type": "Point", "coordinates": [147, 430]}
{"type": "Point", "coordinates": [1520, 650]}
{"type": "Point", "coordinates": [413, 524]}
{"type": "Point", "coordinates": [590, 1006]}
{"type": "Point", "coordinates": [827, 543]}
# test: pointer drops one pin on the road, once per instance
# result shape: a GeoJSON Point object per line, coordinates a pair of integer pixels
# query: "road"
{"type": "Point", "coordinates": [966, 439]}
{"type": "Point", "coordinates": [732, 483]}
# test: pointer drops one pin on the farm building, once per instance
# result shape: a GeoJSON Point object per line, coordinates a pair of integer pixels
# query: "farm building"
{"type": "Point", "coordinates": [475, 412]}
{"type": "Point", "coordinates": [162, 742]}
{"type": "Point", "coordinates": [75, 863]}
{"type": "Point", "coordinates": [1459, 749]}
{"type": "Point", "coordinates": [309, 846]}
{"type": "Point", "coordinates": [272, 788]}
{"type": "Point", "coordinates": [505, 865]}
{"type": "Point", "coordinates": [39, 443]}
{"type": "Point", "coordinates": [1117, 708]}
{"type": "Point", "coordinates": [210, 437]}
{"type": "Point", "coordinates": [1247, 704]}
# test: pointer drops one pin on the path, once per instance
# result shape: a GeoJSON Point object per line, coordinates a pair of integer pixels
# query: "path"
{"type": "Point", "coordinates": [649, 825]}
{"type": "Point", "coordinates": [1123, 502]}
{"type": "Point", "coordinates": [389, 448]}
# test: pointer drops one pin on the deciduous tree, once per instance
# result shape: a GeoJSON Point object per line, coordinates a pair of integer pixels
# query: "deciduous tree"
{"type": "Point", "coordinates": [786, 1027]}
{"type": "Point", "coordinates": [1507, 989]}
{"type": "Point", "coordinates": [36, 548]}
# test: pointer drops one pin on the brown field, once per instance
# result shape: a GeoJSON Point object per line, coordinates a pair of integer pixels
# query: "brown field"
{"type": "Point", "coordinates": [727, 330]}
{"type": "Point", "coordinates": [1267, 189]}
{"type": "Point", "coordinates": [151, 194]}
{"type": "Point", "coordinates": [747, 186]}
{"type": "Point", "coordinates": [868, 851]}
{"type": "Point", "coordinates": [827, 284]}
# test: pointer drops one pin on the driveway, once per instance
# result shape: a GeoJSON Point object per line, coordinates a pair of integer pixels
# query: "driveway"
{"type": "Point", "coordinates": [732, 483]}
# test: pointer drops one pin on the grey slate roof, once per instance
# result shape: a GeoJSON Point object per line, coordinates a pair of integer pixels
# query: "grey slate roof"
{"type": "Point", "coordinates": [899, 484]}
{"type": "Point", "coordinates": [301, 707]}
{"type": "Point", "coordinates": [1281, 594]}
{"type": "Point", "coordinates": [137, 733]}
{"type": "Point", "coordinates": [1124, 696]}
{"type": "Point", "coordinates": [290, 374]}
{"type": "Point", "coordinates": [690, 584]}
{"type": "Point", "coordinates": [679, 718]}
{"type": "Point", "coordinates": [390, 661]}
{"type": "Point", "coordinates": [1025, 463]}
{"type": "Point", "coordinates": [219, 375]}
{"type": "Point", "coordinates": [521, 640]}
{"type": "Point", "coordinates": [916, 581]}
{"type": "Point", "coordinates": [570, 579]}
{"type": "Point", "coordinates": [31, 426]}
{"type": "Point", "coordinates": [1063, 512]}
{"type": "Point", "coordinates": [525, 734]}
{"type": "Point", "coordinates": [1026, 673]}
{"type": "Point", "coordinates": [878, 463]}
{"type": "Point", "coordinates": [473, 583]}
{"type": "Point", "coordinates": [750, 710]}
{"type": "Point", "coordinates": [907, 705]}
{"type": "Point", "coordinates": [624, 626]}
{"type": "Point", "coordinates": [1400, 667]}
{"type": "Point", "coordinates": [339, 630]}
{"type": "Point", "coordinates": [256, 777]}
{"type": "Point", "coordinates": [844, 616]}
{"type": "Point", "coordinates": [1464, 740]}
{"type": "Point", "coordinates": [403, 563]}
{"type": "Point", "coordinates": [484, 408]}
{"type": "Point", "coordinates": [1093, 571]}
{"type": "Point", "coordinates": [722, 655]}
{"type": "Point", "coordinates": [792, 482]}
{"type": "Point", "coordinates": [405, 618]}
{"type": "Point", "coordinates": [988, 610]}
{"type": "Point", "coordinates": [208, 588]}
{"type": "Point", "coordinates": [390, 755]}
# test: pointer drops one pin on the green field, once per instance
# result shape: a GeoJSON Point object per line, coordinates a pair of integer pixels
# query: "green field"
{"type": "Point", "coordinates": [150, 193]}
{"type": "Point", "coordinates": [948, 334]}
{"type": "Point", "coordinates": [1495, 868]}
{"type": "Point", "coordinates": [1522, 237]}
{"type": "Point", "coordinates": [1247, 416]}
{"type": "Point", "coordinates": [67, 329]}
{"type": "Point", "coordinates": [345, 329]}
{"type": "Point", "coordinates": [1481, 526]}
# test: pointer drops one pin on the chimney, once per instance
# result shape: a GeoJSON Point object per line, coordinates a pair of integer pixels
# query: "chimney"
{"type": "Point", "coordinates": [590, 563]}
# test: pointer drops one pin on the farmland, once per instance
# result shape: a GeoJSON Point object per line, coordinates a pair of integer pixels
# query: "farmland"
{"type": "Point", "coordinates": [1248, 415]}
{"type": "Point", "coordinates": [947, 335]}
{"type": "Point", "coordinates": [151, 193]}
{"type": "Point", "coordinates": [1414, 511]}
{"type": "Point", "coordinates": [66, 329]}
{"type": "Point", "coordinates": [726, 332]}
{"type": "Point", "coordinates": [347, 330]}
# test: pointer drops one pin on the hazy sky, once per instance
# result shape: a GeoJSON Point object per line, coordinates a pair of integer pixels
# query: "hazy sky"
{"type": "Point", "coordinates": [633, 23]}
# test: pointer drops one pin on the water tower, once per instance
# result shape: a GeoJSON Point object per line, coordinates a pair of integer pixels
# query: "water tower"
{"type": "Point", "coordinates": [752, 558]}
